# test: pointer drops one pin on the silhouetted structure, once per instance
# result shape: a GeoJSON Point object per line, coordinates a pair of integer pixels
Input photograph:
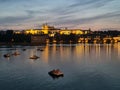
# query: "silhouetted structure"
{"type": "Point", "coordinates": [11, 37]}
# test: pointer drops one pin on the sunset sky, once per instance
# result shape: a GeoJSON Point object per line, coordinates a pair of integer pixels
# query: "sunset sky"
{"type": "Point", "coordinates": [84, 14]}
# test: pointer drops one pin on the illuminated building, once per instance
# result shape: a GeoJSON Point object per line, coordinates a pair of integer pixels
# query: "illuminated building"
{"type": "Point", "coordinates": [51, 31]}
{"type": "Point", "coordinates": [46, 28]}
{"type": "Point", "coordinates": [69, 31]}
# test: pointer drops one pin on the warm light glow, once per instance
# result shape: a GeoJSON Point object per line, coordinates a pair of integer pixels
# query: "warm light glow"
{"type": "Point", "coordinates": [77, 32]}
{"type": "Point", "coordinates": [66, 32]}
{"type": "Point", "coordinates": [46, 29]}
{"type": "Point", "coordinates": [32, 31]}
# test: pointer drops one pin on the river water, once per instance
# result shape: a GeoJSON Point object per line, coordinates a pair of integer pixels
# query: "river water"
{"type": "Point", "coordinates": [85, 67]}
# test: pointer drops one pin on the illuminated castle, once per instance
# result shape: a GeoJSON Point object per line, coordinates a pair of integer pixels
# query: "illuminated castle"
{"type": "Point", "coordinates": [51, 30]}
{"type": "Point", "coordinates": [46, 28]}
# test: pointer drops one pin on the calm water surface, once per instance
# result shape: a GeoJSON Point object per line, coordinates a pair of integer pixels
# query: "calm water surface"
{"type": "Point", "coordinates": [85, 67]}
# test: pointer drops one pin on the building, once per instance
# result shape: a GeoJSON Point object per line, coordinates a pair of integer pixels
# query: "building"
{"type": "Point", "coordinates": [51, 31]}
{"type": "Point", "coordinates": [46, 28]}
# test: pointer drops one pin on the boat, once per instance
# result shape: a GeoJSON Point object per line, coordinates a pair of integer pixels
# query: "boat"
{"type": "Point", "coordinates": [16, 53]}
{"type": "Point", "coordinates": [34, 57]}
{"type": "Point", "coordinates": [40, 49]}
{"type": "Point", "coordinates": [56, 73]}
{"type": "Point", "coordinates": [6, 55]}
{"type": "Point", "coordinates": [24, 49]}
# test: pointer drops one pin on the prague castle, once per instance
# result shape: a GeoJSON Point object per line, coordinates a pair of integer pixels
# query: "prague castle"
{"type": "Point", "coordinates": [51, 30]}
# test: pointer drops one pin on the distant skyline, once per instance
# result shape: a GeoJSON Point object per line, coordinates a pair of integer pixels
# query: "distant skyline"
{"type": "Point", "coordinates": [84, 14]}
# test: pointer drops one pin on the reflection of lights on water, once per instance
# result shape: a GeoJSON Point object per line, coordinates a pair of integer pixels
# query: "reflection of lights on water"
{"type": "Point", "coordinates": [97, 50]}
{"type": "Point", "coordinates": [118, 47]}
{"type": "Point", "coordinates": [31, 52]}
{"type": "Point", "coordinates": [108, 50]}
{"type": "Point", "coordinates": [8, 58]}
{"type": "Point", "coordinates": [77, 52]}
{"type": "Point", "coordinates": [46, 55]}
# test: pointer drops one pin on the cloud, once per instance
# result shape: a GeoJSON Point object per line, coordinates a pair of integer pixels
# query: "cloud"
{"type": "Point", "coordinates": [81, 3]}
{"type": "Point", "coordinates": [35, 12]}
{"type": "Point", "coordinates": [88, 4]}
{"type": "Point", "coordinates": [89, 20]}
{"type": "Point", "coordinates": [72, 12]}
{"type": "Point", "coordinates": [4, 1]}
{"type": "Point", "coordinates": [16, 19]}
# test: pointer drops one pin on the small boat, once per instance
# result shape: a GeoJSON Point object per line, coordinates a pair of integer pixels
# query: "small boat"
{"type": "Point", "coordinates": [34, 57]}
{"type": "Point", "coordinates": [56, 73]}
{"type": "Point", "coordinates": [40, 49]}
{"type": "Point", "coordinates": [6, 55]}
{"type": "Point", "coordinates": [16, 53]}
{"type": "Point", "coordinates": [24, 49]}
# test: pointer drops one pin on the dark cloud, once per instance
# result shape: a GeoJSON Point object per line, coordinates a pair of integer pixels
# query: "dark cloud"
{"type": "Point", "coordinates": [101, 17]}
{"type": "Point", "coordinates": [90, 3]}
{"type": "Point", "coordinates": [101, 3]}
{"type": "Point", "coordinates": [68, 10]}
{"type": "Point", "coordinates": [72, 20]}
{"type": "Point", "coordinates": [30, 14]}
{"type": "Point", "coordinates": [62, 11]}
{"type": "Point", "coordinates": [11, 19]}
{"type": "Point", "coordinates": [34, 12]}
{"type": "Point", "coordinates": [81, 3]}
{"type": "Point", "coordinates": [2, 1]}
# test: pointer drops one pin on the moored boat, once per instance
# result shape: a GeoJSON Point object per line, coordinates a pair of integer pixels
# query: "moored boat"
{"type": "Point", "coordinates": [6, 55]}
{"type": "Point", "coordinates": [16, 53]}
{"type": "Point", "coordinates": [40, 49]}
{"type": "Point", "coordinates": [24, 49]}
{"type": "Point", "coordinates": [56, 73]}
{"type": "Point", "coordinates": [34, 57]}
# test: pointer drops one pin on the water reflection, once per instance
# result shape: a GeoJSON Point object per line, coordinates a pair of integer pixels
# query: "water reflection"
{"type": "Point", "coordinates": [68, 52]}
{"type": "Point", "coordinates": [79, 52]}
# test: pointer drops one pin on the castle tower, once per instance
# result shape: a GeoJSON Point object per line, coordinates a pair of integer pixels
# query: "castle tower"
{"type": "Point", "coordinates": [46, 28]}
